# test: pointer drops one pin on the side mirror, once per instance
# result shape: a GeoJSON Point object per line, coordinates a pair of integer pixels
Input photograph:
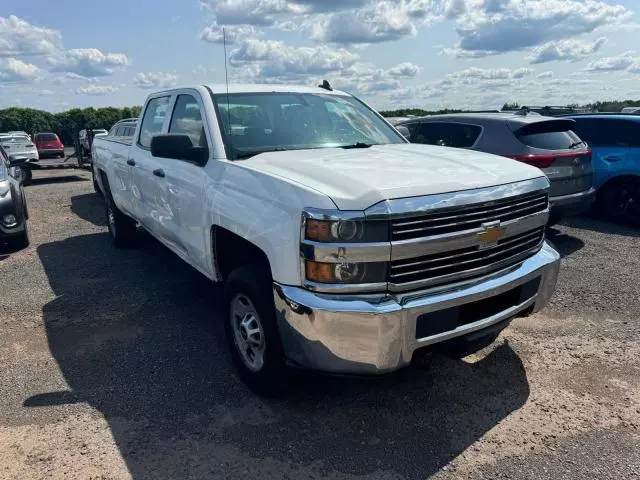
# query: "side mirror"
{"type": "Point", "coordinates": [404, 131]}
{"type": "Point", "coordinates": [178, 147]}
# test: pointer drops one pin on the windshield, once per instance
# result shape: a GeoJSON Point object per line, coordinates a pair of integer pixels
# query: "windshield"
{"type": "Point", "coordinates": [254, 123]}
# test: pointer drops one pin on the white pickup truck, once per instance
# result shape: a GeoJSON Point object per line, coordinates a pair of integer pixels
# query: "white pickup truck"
{"type": "Point", "coordinates": [342, 247]}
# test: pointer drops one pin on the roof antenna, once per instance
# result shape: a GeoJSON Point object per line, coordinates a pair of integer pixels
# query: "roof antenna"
{"type": "Point", "coordinates": [226, 77]}
{"type": "Point", "coordinates": [326, 85]}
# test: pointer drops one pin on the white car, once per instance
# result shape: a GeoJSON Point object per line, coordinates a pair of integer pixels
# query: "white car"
{"type": "Point", "coordinates": [342, 247]}
{"type": "Point", "coordinates": [19, 146]}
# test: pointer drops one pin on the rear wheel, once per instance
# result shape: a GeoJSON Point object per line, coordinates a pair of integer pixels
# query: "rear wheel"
{"type": "Point", "coordinates": [96, 186]}
{"type": "Point", "coordinates": [251, 329]}
{"type": "Point", "coordinates": [620, 201]}
{"type": "Point", "coordinates": [122, 228]}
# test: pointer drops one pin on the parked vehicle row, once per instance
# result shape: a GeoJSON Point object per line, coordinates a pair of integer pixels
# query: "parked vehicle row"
{"type": "Point", "coordinates": [342, 247]}
{"type": "Point", "coordinates": [580, 154]}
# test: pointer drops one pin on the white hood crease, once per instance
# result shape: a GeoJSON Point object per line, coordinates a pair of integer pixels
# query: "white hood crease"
{"type": "Point", "coordinates": [356, 179]}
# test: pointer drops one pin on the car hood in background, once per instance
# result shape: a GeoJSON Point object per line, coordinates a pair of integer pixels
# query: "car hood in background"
{"type": "Point", "coordinates": [355, 179]}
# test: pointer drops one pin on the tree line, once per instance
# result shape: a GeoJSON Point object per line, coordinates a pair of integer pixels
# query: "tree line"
{"type": "Point", "coordinates": [603, 106]}
{"type": "Point", "coordinates": [66, 124]}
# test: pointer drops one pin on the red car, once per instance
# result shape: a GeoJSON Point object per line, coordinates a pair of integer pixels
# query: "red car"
{"type": "Point", "coordinates": [49, 145]}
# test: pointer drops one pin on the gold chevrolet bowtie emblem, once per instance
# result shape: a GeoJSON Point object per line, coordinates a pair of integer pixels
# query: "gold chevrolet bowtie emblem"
{"type": "Point", "coordinates": [492, 233]}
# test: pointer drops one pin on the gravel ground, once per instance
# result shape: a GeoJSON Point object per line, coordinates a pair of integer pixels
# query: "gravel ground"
{"type": "Point", "coordinates": [114, 367]}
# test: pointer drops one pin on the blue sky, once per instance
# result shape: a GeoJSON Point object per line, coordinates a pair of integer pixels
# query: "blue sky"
{"type": "Point", "coordinates": [393, 53]}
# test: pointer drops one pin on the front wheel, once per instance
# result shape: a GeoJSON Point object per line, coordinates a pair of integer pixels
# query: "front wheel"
{"type": "Point", "coordinates": [251, 329]}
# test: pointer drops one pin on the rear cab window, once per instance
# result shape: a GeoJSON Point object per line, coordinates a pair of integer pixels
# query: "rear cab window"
{"type": "Point", "coordinates": [153, 120]}
{"type": "Point", "coordinates": [549, 135]}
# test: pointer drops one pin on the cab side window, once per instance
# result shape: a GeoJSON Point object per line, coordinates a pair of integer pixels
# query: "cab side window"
{"type": "Point", "coordinates": [187, 120]}
{"type": "Point", "coordinates": [153, 120]}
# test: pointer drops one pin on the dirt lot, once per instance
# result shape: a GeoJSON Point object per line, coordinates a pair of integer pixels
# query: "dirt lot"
{"type": "Point", "coordinates": [114, 367]}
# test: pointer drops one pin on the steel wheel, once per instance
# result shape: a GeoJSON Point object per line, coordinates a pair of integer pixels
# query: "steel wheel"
{"type": "Point", "coordinates": [247, 332]}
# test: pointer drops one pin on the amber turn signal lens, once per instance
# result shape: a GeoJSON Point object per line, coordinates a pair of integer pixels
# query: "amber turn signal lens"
{"type": "Point", "coordinates": [320, 272]}
{"type": "Point", "coordinates": [318, 230]}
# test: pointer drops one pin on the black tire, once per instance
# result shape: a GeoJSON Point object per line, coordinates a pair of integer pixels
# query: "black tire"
{"type": "Point", "coordinates": [21, 241]}
{"type": "Point", "coordinates": [253, 282]}
{"type": "Point", "coordinates": [61, 155]}
{"type": "Point", "coordinates": [620, 201]}
{"type": "Point", "coordinates": [463, 347]}
{"type": "Point", "coordinates": [27, 175]}
{"type": "Point", "coordinates": [96, 186]}
{"type": "Point", "coordinates": [122, 228]}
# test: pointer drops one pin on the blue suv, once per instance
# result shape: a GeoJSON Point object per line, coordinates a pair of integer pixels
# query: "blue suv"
{"type": "Point", "coordinates": [615, 142]}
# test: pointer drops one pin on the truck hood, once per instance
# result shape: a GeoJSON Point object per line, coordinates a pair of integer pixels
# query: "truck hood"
{"type": "Point", "coordinates": [355, 179]}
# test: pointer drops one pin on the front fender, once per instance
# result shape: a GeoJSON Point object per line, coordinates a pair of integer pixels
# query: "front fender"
{"type": "Point", "coordinates": [263, 209]}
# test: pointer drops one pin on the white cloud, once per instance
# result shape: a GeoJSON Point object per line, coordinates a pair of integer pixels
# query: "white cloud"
{"type": "Point", "coordinates": [96, 89]}
{"type": "Point", "coordinates": [13, 70]}
{"type": "Point", "coordinates": [155, 80]}
{"type": "Point", "coordinates": [381, 21]}
{"type": "Point", "coordinates": [45, 93]}
{"type": "Point", "coordinates": [235, 34]}
{"type": "Point", "coordinates": [547, 74]}
{"type": "Point", "coordinates": [489, 28]}
{"type": "Point", "coordinates": [246, 12]}
{"type": "Point", "coordinates": [407, 70]}
{"type": "Point", "coordinates": [565, 50]}
{"type": "Point", "coordinates": [88, 62]}
{"type": "Point", "coordinates": [275, 61]}
{"type": "Point", "coordinates": [18, 37]}
{"type": "Point", "coordinates": [490, 73]}
{"type": "Point", "coordinates": [623, 61]}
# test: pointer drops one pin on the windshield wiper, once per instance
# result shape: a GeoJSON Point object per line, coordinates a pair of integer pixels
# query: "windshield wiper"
{"type": "Point", "coordinates": [575, 144]}
{"type": "Point", "coordinates": [357, 145]}
{"type": "Point", "coordinates": [245, 155]}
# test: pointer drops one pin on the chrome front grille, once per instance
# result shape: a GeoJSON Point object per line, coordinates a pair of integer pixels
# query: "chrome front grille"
{"type": "Point", "coordinates": [466, 263]}
{"type": "Point", "coordinates": [458, 219]}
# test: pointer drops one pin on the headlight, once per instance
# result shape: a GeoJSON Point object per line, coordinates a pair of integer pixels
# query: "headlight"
{"type": "Point", "coordinates": [343, 227]}
{"type": "Point", "coordinates": [346, 273]}
{"type": "Point", "coordinates": [343, 250]}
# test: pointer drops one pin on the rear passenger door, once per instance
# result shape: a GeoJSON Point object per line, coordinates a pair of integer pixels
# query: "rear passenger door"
{"type": "Point", "coordinates": [148, 195]}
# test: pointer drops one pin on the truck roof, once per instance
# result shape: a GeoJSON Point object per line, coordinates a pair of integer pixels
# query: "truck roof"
{"type": "Point", "coordinates": [263, 88]}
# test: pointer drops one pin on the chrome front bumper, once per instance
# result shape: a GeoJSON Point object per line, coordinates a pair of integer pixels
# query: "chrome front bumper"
{"type": "Point", "coordinates": [372, 334]}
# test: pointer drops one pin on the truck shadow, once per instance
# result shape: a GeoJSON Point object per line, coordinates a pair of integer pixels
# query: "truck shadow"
{"type": "Point", "coordinates": [137, 337]}
{"type": "Point", "coordinates": [89, 207]}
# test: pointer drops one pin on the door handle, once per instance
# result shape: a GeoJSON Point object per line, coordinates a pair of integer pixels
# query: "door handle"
{"type": "Point", "coordinates": [131, 162]}
{"type": "Point", "coordinates": [612, 158]}
{"type": "Point", "coordinates": [158, 172]}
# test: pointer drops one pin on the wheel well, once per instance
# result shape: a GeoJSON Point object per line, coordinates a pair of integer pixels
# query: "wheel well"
{"type": "Point", "coordinates": [612, 182]}
{"type": "Point", "coordinates": [232, 251]}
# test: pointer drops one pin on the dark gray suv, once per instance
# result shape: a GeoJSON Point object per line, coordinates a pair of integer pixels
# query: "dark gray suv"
{"type": "Point", "coordinates": [545, 142]}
